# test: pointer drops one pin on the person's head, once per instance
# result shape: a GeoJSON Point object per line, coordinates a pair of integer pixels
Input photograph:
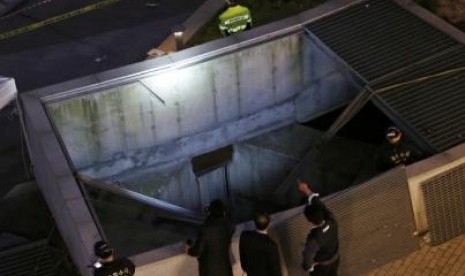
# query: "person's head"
{"type": "Point", "coordinates": [103, 250]}
{"type": "Point", "coordinates": [314, 214]}
{"type": "Point", "coordinates": [232, 2]}
{"type": "Point", "coordinates": [262, 221]}
{"type": "Point", "coordinates": [393, 134]}
{"type": "Point", "coordinates": [216, 209]}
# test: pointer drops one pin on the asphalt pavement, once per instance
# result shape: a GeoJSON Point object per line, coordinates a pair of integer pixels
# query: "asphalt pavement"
{"type": "Point", "coordinates": [103, 39]}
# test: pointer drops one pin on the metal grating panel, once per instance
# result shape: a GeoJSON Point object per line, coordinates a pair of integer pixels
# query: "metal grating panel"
{"type": "Point", "coordinates": [32, 259]}
{"type": "Point", "coordinates": [430, 98]}
{"type": "Point", "coordinates": [417, 72]}
{"type": "Point", "coordinates": [377, 214]}
{"type": "Point", "coordinates": [444, 197]}
{"type": "Point", "coordinates": [377, 37]}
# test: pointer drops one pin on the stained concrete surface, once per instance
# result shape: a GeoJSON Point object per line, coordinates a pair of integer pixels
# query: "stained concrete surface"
{"type": "Point", "coordinates": [107, 125]}
{"type": "Point", "coordinates": [254, 171]}
{"type": "Point", "coordinates": [112, 37]}
{"type": "Point", "coordinates": [107, 38]}
{"type": "Point", "coordinates": [65, 57]}
{"type": "Point", "coordinates": [77, 47]}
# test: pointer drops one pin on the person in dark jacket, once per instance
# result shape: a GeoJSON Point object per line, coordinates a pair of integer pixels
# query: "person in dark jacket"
{"type": "Point", "coordinates": [108, 265]}
{"type": "Point", "coordinates": [397, 150]}
{"type": "Point", "coordinates": [212, 245]}
{"type": "Point", "coordinates": [321, 253]}
{"type": "Point", "coordinates": [258, 252]}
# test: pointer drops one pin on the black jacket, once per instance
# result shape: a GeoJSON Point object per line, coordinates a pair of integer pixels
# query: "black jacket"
{"type": "Point", "coordinates": [403, 152]}
{"type": "Point", "coordinates": [212, 248]}
{"type": "Point", "coordinates": [259, 254]}
{"type": "Point", "coordinates": [322, 242]}
{"type": "Point", "coordinates": [123, 267]}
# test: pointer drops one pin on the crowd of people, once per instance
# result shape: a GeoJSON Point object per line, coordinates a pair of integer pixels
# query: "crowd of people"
{"type": "Point", "coordinates": [259, 253]}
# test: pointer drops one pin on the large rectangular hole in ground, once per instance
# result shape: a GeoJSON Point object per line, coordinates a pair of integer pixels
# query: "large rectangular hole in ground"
{"type": "Point", "coordinates": [248, 175]}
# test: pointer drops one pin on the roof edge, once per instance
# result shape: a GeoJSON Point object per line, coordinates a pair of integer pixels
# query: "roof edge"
{"type": "Point", "coordinates": [433, 19]}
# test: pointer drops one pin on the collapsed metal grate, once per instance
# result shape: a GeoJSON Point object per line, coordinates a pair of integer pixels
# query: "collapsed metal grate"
{"type": "Point", "coordinates": [377, 37]}
{"type": "Point", "coordinates": [429, 98]}
{"type": "Point", "coordinates": [375, 221]}
{"type": "Point", "coordinates": [416, 70]}
{"type": "Point", "coordinates": [32, 259]}
{"type": "Point", "coordinates": [444, 197]}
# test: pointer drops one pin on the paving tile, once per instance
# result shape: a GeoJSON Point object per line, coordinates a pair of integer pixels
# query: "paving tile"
{"type": "Point", "coordinates": [447, 259]}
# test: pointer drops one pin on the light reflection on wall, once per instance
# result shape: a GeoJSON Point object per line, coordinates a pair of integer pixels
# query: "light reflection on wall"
{"type": "Point", "coordinates": [124, 121]}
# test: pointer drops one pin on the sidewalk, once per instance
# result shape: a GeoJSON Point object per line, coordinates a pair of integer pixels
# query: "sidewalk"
{"type": "Point", "coordinates": [445, 259]}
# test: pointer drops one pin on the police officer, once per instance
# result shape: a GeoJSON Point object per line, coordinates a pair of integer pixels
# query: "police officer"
{"type": "Point", "coordinates": [320, 256]}
{"type": "Point", "coordinates": [397, 150]}
{"type": "Point", "coordinates": [109, 265]}
{"type": "Point", "coordinates": [235, 18]}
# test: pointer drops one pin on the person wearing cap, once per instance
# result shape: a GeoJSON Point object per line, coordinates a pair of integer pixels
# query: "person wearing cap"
{"type": "Point", "coordinates": [213, 243]}
{"type": "Point", "coordinates": [396, 150]}
{"type": "Point", "coordinates": [108, 264]}
{"type": "Point", "coordinates": [235, 18]}
{"type": "Point", "coordinates": [320, 256]}
{"type": "Point", "coordinates": [259, 254]}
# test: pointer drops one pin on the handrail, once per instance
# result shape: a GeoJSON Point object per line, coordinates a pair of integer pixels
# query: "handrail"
{"type": "Point", "coordinates": [165, 209]}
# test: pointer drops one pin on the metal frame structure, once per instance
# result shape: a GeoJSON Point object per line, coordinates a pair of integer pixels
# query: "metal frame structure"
{"type": "Point", "coordinates": [52, 166]}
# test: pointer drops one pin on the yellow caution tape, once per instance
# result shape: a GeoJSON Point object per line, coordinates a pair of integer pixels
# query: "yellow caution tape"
{"type": "Point", "coordinates": [56, 19]}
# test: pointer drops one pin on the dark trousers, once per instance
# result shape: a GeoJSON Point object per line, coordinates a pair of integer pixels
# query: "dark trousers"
{"type": "Point", "coordinates": [326, 270]}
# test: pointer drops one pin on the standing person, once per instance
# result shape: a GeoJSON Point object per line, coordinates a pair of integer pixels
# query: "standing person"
{"type": "Point", "coordinates": [212, 246]}
{"type": "Point", "coordinates": [396, 150]}
{"type": "Point", "coordinates": [321, 253]}
{"type": "Point", "coordinates": [258, 252]}
{"type": "Point", "coordinates": [235, 18]}
{"type": "Point", "coordinates": [108, 264]}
